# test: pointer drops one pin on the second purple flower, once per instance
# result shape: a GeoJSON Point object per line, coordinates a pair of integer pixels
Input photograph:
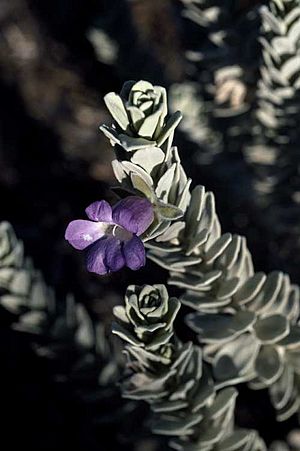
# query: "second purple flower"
{"type": "Point", "coordinates": [111, 235]}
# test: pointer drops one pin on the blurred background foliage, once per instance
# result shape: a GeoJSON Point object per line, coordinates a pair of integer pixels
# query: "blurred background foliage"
{"type": "Point", "coordinates": [58, 58]}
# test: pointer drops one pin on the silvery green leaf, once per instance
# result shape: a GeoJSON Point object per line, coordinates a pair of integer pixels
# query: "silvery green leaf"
{"type": "Point", "coordinates": [293, 305]}
{"type": "Point", "coordinates": [159, 340]}
{"type": "Point", "coordinates": [165, 184]}
{"type": "Point", "coordinates": [291, 67]}
{"type": "Point", "coordinates": [147, 358]}
{"type": "Point", "coordinates": [168, 211]}
{"type": "Point", "coordinates": [236, 441]}
{"type": "Point", "coordinates": [268, 293]}
{"type": "Point", "coordinates": [136, 115]}
{"type": "Point", "coordinates": [279, 446]}
{"type": "Point", "coordinates": [169, 406]}
{"type": "Point", "coordinates": [158, 248]}
{"type": "Point", "coordinates": [38, 295]}
{"type": "Point", "coordinates": [281, 391]}
{"type": "Point", "coordinates": [140, 185]}
{"type": "Point", "coordinates": [193, 56]}
{"type": "Point", "coordinates": [294, 31]}
{"type": "Point", "coordinates": [250, 288]}
{"type": "Point", "coordinates": [116, 108]}
{"type": "Point", "coordinates": [144, 386]}
{"type": "Point", "coordinates": [131, 143]}
{"type": "Point", "coordinates": [224, 399]}
{"type": "Point", "coordinates": [171, 313]}
{"type": "Point", "coordinates": [290, 408]}
{"type": "Point", "coordinates": [209, 436]}
{"type": "Point", "coordinates": [131, 169]}
{"type": "Point", "coordinates": [227, 288]}
{"type": "Point", "coordinates": [183, 391]}
{"type": "Point", "coordinates": [6, 275]}
{"type": "Point", "coordinates": [258, 384]}
{"type": "Point", "coordinates": [276, 26]}
{"type": "Point", "coordinates": [192, 282]}
{"type": "Point", "coordinates": [292, 16]}
{"type": "Point", "coordinates": [236, 359]}
{"type": "Point", "coordinates": [31, 322]}
{"type": "Point", "coordinates": [267, 119]}
{"type": "Point", "coordinates": [84, 335]}
{"type": "Point", "coordinates": [120, 313]}
{"type": "Point", "coordinates": [230, 255]}
{"type": "Point", "coordinates": [269, 364]}
{"type": "Point", "coordinates": [15, 256]}
{"type": "Point", "coordinates": [11, 250]}
{"type": "Point", "coordinates": [171, 233]}
{"type": "Point", "coordinates": [193, 242]}
{"type": "Point", "coordinates": [171, 263]}
{"type": "Point", "coordinates": [148, 158]}
{"type": "Point", "coordinates": [208, 216]}
{"type": "Point", "coordinates": [157, 228]}
{"type": "Point", "coordinates": [140, 85]}
{"type": "Point", "coordinates": [185, 196]}
{"type": "Point", "coordinates": [269, 48]}
{"type": "Point", "coordinates": [185, 444]}
{"type": "Point", "coordinates": [108, 373]}
{"type": "Point", "coordinates": [204, 302]}
{"type": "Point", "coordinates": [169, 128]}
{"type": "Point", "coordinates": [176, 426]}
{"type": "Point", "coordinates": [12, 303]}
{"type": "Point", "coordinates": [191, 368]}
{"type": "Point", "coordinates": [217, 248]}
{"type": "Point", "coordinates": [258, 445]}
{"type": "Point", "coordinates": [214, 232]}
{"type": "Point", "coordinates": [293, 359]}
{"type": "Point", "coordinates": [271, 329]}
{"type": "Point", "coordinates": [205, 391]}
{"type": "Point", "coordinates": [213, 327]}
{"type": "Point", "coordinates": [149, 125]}
{"type": "Point", "coordinates": [8, 239]}
{"type": "Point", "coordinates": [111, 134]}
{"type": "Point", "coordinates": [194, 210]}
{"type": "Point", "coordinates": [20, 283]}
{"type": "Point", "coordinates": [119, 172]}
{"type": "Point", "coordinates": [279, 306]}
{"type": "Point", "coordinates": [141, 330]}
{"type": "Point", "coordinates": [124, 334]}
{"type": "Point", "coordinates": [292, 340]}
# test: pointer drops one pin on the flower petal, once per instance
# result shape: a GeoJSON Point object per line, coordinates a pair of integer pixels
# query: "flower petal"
{"type": "Point", "coordinates": [114, 256]}
{"type": "Point", "coordinates": [133, 213]}
{"type": "Point", "coordinates": [105, 256]}
{"type": "Point", "coordinates": [82, 233]}
{"type": "Point", "coordinates": [134, 252]}
{"type": "Point", "coordinates": [99, 211]}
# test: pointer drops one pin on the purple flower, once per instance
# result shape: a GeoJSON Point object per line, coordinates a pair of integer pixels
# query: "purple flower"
{"type": "Point", "coordinates": [111, 235]}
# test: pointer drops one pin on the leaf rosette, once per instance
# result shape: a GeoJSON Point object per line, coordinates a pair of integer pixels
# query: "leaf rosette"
{"type": "Point", "coordinates": [140, 115]}
{"type": "Point", "coordinates": [147, 318]}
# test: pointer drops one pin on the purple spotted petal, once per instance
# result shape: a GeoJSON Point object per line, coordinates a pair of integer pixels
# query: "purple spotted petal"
{"type": "Point", "coordinates": [133, 213]}
{"type": "Point", "coordinates": [134, 253]}
{"type": "Point", "coordinates": [81, 233]}
{"type": "Point", "coordinates": [105, 256]}
{"type": "Point", "coordinates": [99, 211]}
